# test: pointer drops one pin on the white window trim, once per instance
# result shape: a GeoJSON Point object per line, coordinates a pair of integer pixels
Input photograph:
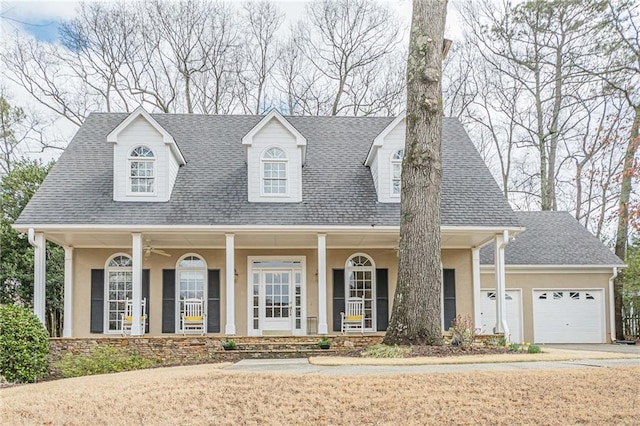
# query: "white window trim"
{"type": "Point", "coordinates": [286, 162]}
{"type": "Point", "coordinates": [348, 269]}
{"type": "Point", "coordinates": [107, 269]}
{"type": "Point", "coordinates": [393, 161]}
{"type": "Point", "coordinates": [261, 304]}
{"type": "Point", "coordinates": [153, 160]}
{"type": "Point", "coordinates": [177, 289]}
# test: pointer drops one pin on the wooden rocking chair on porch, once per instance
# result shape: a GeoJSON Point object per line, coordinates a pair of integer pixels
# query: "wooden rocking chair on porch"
{"type": "Point", "coordinates": [126, 319]}
{"type": "Point", "coordinates": [193, 317]}
{"type": "Point", "coordinates": [353, 318]}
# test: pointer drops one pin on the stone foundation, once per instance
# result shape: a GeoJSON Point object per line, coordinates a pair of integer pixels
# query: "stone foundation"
{"type": "Point", "coordinates": [169, 350]}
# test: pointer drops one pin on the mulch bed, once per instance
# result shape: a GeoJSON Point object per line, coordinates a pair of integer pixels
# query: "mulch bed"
{"type": "Point", "coordinates": [444, 351]}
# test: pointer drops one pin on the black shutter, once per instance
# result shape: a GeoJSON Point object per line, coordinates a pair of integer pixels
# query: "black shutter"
{"type": "Point", "coordinates": [382, 299]}
{"type": "Point", "coordinates": [97, 301]}
{"type": "Point", "coordinates": [338, 297]}
{"type": "Point", "coordinates": [213, 301]}
{"type": "Point", "coordinates": [168, 300]}
{"type": "Point", "coordinates": [449, 292]}
{"type": "Point", "coordinates": [145, 295]}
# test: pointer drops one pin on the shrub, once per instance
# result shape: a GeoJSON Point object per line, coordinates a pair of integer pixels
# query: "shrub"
{"type": "Point", "coordinates": [101, 361]}
{"type": "Point", "coordinates": [534, 349]}
{"type": "Point", "coordinates": [514, 347]}
{"type": "Point", "coordinates": [384, 351]}
{"type": "Point", "coordinates": [462, 331]}
{"type": "Point", "coordinates": [324, 343]}
{"type": "Point", "coordinates": [229, 344]}
{"type": "Point", "coordinates": [24, 345]}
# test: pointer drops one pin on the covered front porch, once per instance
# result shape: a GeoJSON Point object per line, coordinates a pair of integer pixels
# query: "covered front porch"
{"type": "Point", "coordinates": [254, 281]}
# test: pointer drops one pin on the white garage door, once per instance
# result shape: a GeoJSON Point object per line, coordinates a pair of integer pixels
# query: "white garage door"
{"type": "Point", "coordinates": [568, 316]}
{"type": "Point", "coordinates": [514, 313]}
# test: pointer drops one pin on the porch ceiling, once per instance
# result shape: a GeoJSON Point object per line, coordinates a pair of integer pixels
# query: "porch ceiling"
{"type": "Point", "coordinates": [266, 239]}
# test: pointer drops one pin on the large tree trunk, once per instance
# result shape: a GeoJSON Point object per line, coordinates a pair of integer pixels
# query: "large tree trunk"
{"type": "Point", "coordinates": [622, 233]}
{"type": "Point", "coordinates": [416, 308]}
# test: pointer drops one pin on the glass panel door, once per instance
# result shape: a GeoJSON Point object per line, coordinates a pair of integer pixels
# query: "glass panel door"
{"type": "Point", "coordinates": [278, 300]}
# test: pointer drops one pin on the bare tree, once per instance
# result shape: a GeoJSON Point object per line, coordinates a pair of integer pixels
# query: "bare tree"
{"type": "Point", "coordinates": [415, 317]}
{"type": "Point", "coordinates": [537, 45]}
{"type": "Point", "coordinates": [262, 19]}
{"type": "Point", "coordinates": [622, 73]}
{"type": "Point", "coordinates": [346, 40]}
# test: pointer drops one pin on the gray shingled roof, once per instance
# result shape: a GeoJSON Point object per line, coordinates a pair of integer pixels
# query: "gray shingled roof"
{"type": "Point", "coordinates": [553, 238]}
{"type": "Point", "coordinates": [211, 189]}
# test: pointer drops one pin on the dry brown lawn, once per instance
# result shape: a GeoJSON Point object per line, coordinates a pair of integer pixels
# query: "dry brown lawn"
{"type": "Point", "coordinates": [204, 394]}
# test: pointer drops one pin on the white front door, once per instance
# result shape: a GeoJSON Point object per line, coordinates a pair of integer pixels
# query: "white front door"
{"type": "Point", "coordinates": [513, 314]}
{"type": "Point", "coordinates": [278, 300]}
{"type": "Point", "coordinates": [276, 296]}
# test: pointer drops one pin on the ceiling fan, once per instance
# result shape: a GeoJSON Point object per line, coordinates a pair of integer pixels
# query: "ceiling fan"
{"type": "Point", "coordinates": [148, 250]}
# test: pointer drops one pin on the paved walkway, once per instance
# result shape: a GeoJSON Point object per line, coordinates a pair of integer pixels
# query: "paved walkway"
{"type": "Point", "coordinates": [622, 349]}
{"type": "Point", "coordinates": [302, 366]}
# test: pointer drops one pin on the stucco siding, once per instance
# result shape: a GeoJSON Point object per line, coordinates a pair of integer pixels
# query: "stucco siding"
{"type": "Point", "coordinates": [87, 259]}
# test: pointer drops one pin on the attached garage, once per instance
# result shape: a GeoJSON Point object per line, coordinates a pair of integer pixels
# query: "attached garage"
{"type": "Point", "coordinates": [569, 316]}
{"type": "Point", "coordinates": [513, 314]}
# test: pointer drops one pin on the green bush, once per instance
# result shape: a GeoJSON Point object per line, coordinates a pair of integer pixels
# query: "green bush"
{"type": "Point", "coordinates": [384, 351]}
{"type": "Point", "coordinates": [101, 361]}
{"type": "Point", "coordinates": [534, 349]}
{"type": "Point", "coordinates": [24, 345]}
{"type": "Point", "coordinates": [514, 347]}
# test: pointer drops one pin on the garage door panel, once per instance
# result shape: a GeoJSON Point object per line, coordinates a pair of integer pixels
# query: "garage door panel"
{"type": "Point", "coordinates": [568, 316]}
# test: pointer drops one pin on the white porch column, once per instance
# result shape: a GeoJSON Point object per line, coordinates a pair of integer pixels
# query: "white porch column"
{"type": "Point", "coordinates": [230, 276]}
{"type": "Point", "coordinates": [67, 325]}
{"type": "Point", "coordinates": [322, 284]}
{"type": "Point", "coordinates": [501, 306]}
{"type": "Point", "coordinates": [136, 283]}
{"type": "Point", "coordinates": [39, 243]}
{"type": "Point", "coordinates": [475, 267]}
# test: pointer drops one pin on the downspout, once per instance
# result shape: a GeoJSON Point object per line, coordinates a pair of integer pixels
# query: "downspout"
{"type": "Point", "coordinates": [32, 238]}
{"type": "Point", "coordinates": [612, 313]}
{"type": "Point", "coordinates": [503, 280]}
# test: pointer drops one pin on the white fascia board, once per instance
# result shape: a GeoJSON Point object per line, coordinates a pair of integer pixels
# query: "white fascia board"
{"type": "Point", "coordinates": [379, 140]}
{"type": "Point", "coordinates": [248, 138]}
{"type": "Point", "coordinates": [551, 269]}
{"type": "Point", "coordinates": [166, 136]}
{"type": "Point", "coordinates": [367, 229]}
{"type": "Point", "coordinates": [301, 141]}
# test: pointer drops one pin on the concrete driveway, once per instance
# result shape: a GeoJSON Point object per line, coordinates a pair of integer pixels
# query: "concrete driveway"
{"type": "Point", "coordinates": [621, 349]}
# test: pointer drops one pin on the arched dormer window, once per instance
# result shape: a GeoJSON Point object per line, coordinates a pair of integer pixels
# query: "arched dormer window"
{"type": "Point", "coordinates": [396, 172]}
{"type": "Point", "coordinates": [359, 282]}
{"type": "Point", "coordinates": [191, 283]}
{"type": "Point", "coordinates": [118, 288]}
{"type": "Point", "coordinates": [274, 172]}
{"type": "Point", "coordinates": [142, 171]}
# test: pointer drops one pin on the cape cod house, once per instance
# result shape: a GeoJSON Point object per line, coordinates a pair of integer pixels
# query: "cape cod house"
{"type": "Point", "coordinates": [273, 221]}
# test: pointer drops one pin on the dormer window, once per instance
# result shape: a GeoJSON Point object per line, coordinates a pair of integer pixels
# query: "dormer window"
{"type": "Point", "coordinates": [142, 171]}
{"type": "Point", "coordinates": [396, 172]}
{"type": "Point", "coordinates": [274, 172]}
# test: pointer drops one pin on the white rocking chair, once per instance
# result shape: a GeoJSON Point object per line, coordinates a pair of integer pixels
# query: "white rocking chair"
{"type": "Point", "coordinates": [126, 319]}
{"type": "Point", "coordinates": [193, 317]}
{"type": "Point", "coordinates": [353, 318]}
